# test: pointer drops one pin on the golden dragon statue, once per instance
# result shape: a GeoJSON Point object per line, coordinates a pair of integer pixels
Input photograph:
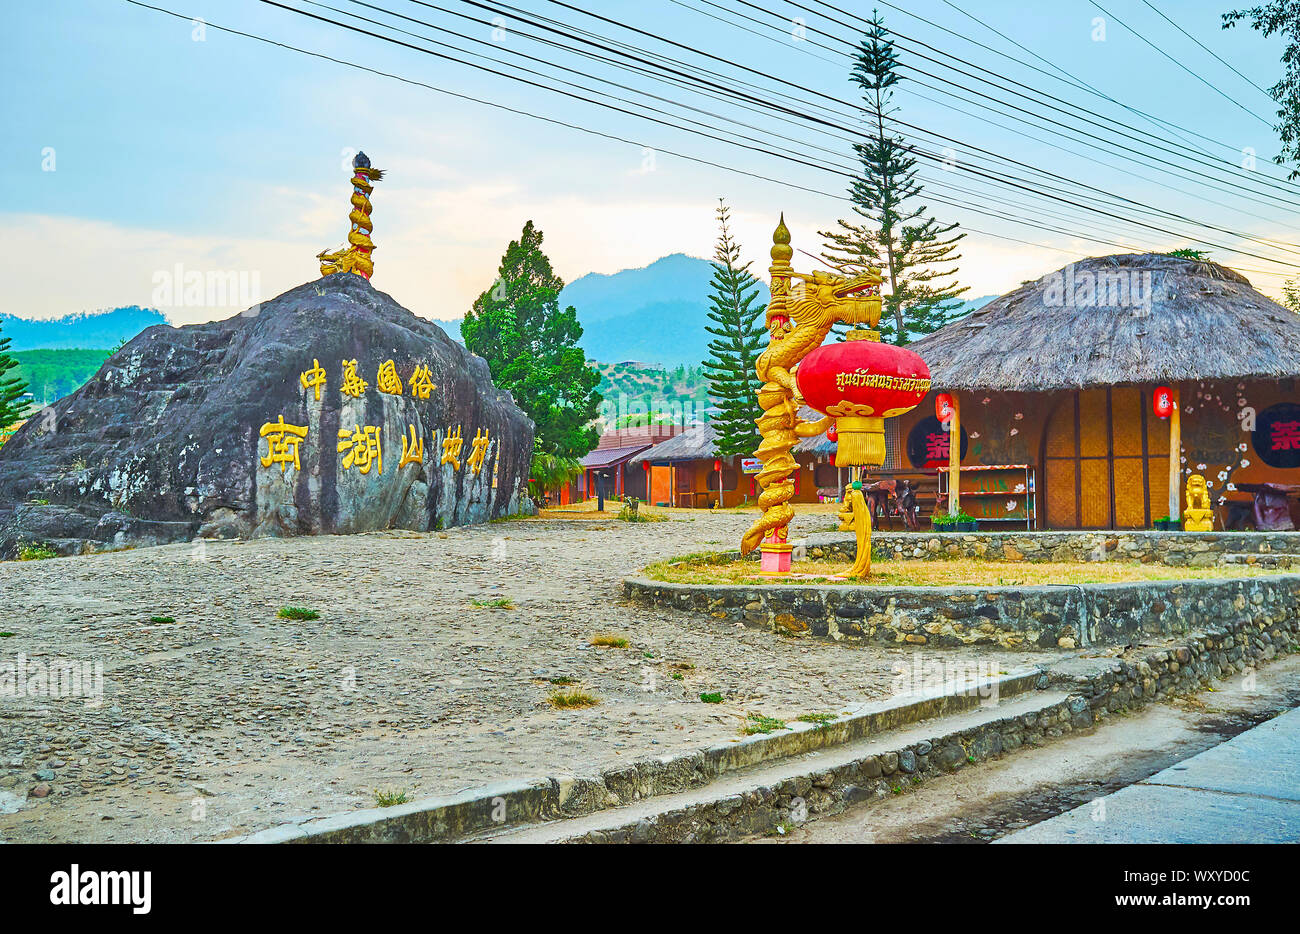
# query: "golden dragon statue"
{"type": "Point", "coordinates": [355, 258]}
{"type": "Point", "coordinates": [800, 315]}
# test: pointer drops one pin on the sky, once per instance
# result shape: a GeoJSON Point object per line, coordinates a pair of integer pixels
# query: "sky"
{"type": "Point", "coordinates": [141, 147]}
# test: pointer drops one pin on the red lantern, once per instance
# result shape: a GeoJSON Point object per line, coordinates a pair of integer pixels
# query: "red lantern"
{"type": "Point", "coordinates": [645, 465]}
{"type": "Point", "coordinates": [860, 383]}
{"type": "Point", "coordinates": [717, 465]}
{"type": "Point", "coordinates": [943, 407]}
{"type": "Point", "coordinates": [832, 460]}
{"type": "Point", "coordinates": [832, 435]}
{"type": "Point", "coordinates": [1162, 401]}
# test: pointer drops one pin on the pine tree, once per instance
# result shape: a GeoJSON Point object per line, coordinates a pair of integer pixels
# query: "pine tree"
{"type": "Point", "coordinates": [917, 255]}
{"type": "Point", "coordinates": [531, 347]}
{"type": "Point", "coordinates": [739, 331]}
{"type": "Point", "coordinates": [12, 388]}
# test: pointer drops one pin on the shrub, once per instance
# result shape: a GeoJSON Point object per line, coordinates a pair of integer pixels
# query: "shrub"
{"type": "Point", "coordinates": [297, 612]}
{"type": "Point", "coordinates": [36, 551]}
{"type": "Point", "coordinates": [566, 700]}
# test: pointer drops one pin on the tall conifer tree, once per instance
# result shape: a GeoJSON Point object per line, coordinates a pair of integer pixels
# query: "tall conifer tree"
{"type": "Point", "coordinates": [916, 255]}
{"type": "Point", "coordinates": [11, 388]}
{"type": "Point", "coordinates": [738, 333]}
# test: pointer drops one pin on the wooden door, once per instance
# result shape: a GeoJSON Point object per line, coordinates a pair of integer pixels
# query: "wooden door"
{"type": "Point", "coordinates": [1104, 461]}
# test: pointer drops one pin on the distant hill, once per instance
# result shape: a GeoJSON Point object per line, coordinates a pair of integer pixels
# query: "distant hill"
{"type": "Point", "coordinates": [92, 330]}
{"type": "Point", "coordinates": [630, 391]}
{"type": "Point", "coordinates": [654, 314]}
{"type": "Point", "coordinates": [54, 373]}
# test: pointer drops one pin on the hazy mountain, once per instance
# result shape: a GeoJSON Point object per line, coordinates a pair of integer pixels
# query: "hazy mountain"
{"type": "Point", "coordinates": [95, 330]}
{"type": "Point", "coordinates": [655, 314]}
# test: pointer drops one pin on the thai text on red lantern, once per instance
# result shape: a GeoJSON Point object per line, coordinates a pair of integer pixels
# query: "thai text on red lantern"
{"type": "Point", "coordinates": [861, 377]}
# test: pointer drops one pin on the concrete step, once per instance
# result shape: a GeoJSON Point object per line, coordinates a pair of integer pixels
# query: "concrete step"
{"type": "Point", "coordinates": [523, 803]}
{"type": "Point", "coordinates": [1263, 559]}
{"type": "Point", "coordinates": [762, 797]}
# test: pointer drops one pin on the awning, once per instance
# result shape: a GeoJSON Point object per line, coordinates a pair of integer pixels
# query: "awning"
{"type": "Point", "coordinates": [612, 457]}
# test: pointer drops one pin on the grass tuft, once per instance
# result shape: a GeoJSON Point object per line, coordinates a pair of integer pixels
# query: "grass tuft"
{"type": "Point", "coordinates": [386, 798]}
{"type": "Point", "coordinates": [162, 619]}
{"type": "Point", "coordinates": [756, 723]}
{"type": "Point", "coordinates": [498, 603]}
{"type": "Point", "coordinates": [297, 612]}
{"type": "Point", "coordinates": [610, 640]}
{"type": "Point", "coordinates": [822, 720]}
{"type": "Point", "coordinates": [572, 699]}
{"type": "Point", "coordinates": [711, 698]}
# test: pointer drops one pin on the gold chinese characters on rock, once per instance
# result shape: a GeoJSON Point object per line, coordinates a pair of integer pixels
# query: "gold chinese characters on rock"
{"type": "Point", "coordinates": [360, 447]}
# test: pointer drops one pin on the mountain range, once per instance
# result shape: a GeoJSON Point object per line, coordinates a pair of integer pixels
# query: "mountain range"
{"type": "Point", "coordinates": [654, 314]}
{"type": "Point", "coordinates": [94, 330]}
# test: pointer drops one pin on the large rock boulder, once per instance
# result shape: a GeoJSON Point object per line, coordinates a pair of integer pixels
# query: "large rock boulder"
{"type": "Point", "coordinates": [179, 436]}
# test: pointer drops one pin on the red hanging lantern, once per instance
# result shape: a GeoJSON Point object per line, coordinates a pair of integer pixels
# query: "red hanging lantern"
{"type": "Point", "coordinates": [1162, 401]}
{"type": "Point", "coordinates": [943, 407]}
{"type": "Point", "coordinates": [717, 465]}
{"type": "Point", "coordinates": [860, 383]}
{"type": "Point", "coordinates": [645, 465]}
{"type": "Point", "coordinates": [832, 460]}
{"type": "Point", "coordinates": [832, 435]}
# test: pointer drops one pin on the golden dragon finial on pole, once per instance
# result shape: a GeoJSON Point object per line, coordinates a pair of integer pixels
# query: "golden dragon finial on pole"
{"type": "Point", "coordinates": [355, 258]}
{"type": "Point", "coordinates": [800, 314]}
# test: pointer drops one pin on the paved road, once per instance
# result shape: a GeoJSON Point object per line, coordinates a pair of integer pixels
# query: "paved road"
{"type": "Point", "coordinates": [1246, 790]}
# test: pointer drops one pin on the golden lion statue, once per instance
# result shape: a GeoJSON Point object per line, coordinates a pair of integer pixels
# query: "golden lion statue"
{"type": "Point", "coordinates": [1199, 515]}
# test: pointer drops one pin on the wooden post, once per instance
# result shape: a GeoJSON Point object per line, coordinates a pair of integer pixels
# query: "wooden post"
{"type": "Point", "coordinates": [1175, 460]}
{"type": "Point", "coordinates": [954, 458]}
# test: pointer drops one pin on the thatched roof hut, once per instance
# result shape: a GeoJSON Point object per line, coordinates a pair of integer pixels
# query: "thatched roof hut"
{"type": "Point", "coordinates": [698, 443]}
{"type": "Point", "coordinates": [1125, 320]}
{"type": "Point", "coordinates": [1056, 383]}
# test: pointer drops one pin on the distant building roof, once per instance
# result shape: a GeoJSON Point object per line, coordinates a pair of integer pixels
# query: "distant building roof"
{"type": "Point", "coordinates": [611, 457]}
{"type": "Point", "coordinates": [698, 443]}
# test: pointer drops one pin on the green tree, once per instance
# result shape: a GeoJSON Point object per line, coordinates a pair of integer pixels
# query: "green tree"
{"type": "Point", "coordinates": [1291, 294]}
{"type": "Point", "coordinates": [1283, 17]}
{"type": "Point", "coordinates": [11, 387]}
{"type": "Point", "coordinates": [531, 347]}
{"type": "Point", "coordinates": [738, 332]}
{"type": "Point", "coordinates": [916, 254]}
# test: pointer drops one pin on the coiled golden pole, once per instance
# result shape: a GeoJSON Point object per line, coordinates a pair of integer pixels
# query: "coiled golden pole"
{"type": "Point", "coordinates": [356, 258]}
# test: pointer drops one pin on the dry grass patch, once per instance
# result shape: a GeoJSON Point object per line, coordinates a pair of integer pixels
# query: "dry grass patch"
{"type": "Point", "coordinates": [704, 569]}
{"type": "Point", "coordinates": [572, 699]}
{"type": "Point", "coordinates": [609, 640]}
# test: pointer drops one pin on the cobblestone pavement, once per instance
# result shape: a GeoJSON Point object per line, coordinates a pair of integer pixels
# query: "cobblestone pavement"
{"type": "Point", "coordinates": [230, 720]}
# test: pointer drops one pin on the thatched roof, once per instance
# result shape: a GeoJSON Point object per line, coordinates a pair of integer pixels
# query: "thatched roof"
{"type": "Point", "coordinates": [698, 443]}
{"type": "Point", "coordinates": [1138, 318]}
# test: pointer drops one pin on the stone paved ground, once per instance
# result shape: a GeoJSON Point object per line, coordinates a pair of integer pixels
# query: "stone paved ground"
{"type": "Point", "coordinates": [245, 720]}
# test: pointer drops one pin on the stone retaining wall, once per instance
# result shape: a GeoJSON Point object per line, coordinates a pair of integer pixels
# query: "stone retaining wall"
{"type": "Point", "coordinates": [1065, 616]}
{"type": "Point", "coordinates": [1250, 641]}
{"type": "Point", "coordinates": [1177, 549]}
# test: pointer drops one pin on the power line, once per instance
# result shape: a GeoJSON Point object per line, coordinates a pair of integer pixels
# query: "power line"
{"type": "Point", "coordinates": [1002, 177]}
{"type": "Point", "coordinates": [1047, 142]}
{"type": "Point", "coordinates": [579, 127]}
{"type": "Point", "coordinates": [1101, 121]}
{"type": "Point", "coordinates": [1161, 14]}
{"type": "Point", "coordinates": [1236, 103]}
